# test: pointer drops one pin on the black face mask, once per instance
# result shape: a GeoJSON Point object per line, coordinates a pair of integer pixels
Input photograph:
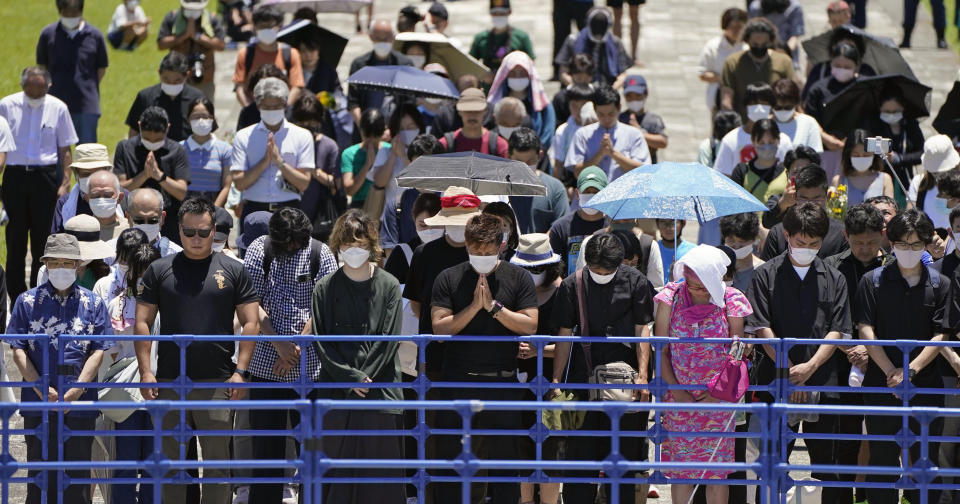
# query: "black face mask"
{"type": "Point", "coordinates": [758, 52]}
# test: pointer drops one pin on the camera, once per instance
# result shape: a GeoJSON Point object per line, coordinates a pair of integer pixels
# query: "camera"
{"type": "Point", "coordinates": [196, 62]}
{"type": "Point", "coordinates": [878, 145]}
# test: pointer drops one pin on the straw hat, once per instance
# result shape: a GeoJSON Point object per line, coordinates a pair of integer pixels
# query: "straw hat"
{"type": "Point", "coordinates": [86, 229]}
{"type": "Point", "coordinates": [62, 246]}
{"type": "Point", "coordinates": [91, 155]}
{"type": "Point", "coordinates": [534, 250]}
{"type": "Point", "coordinates": [457, 205]}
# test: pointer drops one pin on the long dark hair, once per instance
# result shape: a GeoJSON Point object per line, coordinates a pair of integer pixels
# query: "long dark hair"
{"type": "Point", "coordinates": [856, 137]}
{"type": "Point", "coordinates": [505, 213]}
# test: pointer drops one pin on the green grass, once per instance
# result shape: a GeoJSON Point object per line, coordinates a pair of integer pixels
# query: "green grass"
{"type": "Point", "coordinates": [952, 31]}
{"type": "Point", "coordinates": [128, 72]}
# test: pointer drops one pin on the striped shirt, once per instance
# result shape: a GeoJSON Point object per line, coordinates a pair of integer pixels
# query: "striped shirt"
{"type": "Point", "coordinates": [208, 162]}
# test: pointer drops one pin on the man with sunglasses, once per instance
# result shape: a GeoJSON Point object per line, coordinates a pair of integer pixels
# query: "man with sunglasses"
{"type": "Point", "coordinates": [146, 213]}
{"type": "Point", "coordinates": [197, 292]}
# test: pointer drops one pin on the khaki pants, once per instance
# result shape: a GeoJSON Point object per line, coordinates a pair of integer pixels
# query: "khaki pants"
{"type": "Point", "coordinates": [211, 447]}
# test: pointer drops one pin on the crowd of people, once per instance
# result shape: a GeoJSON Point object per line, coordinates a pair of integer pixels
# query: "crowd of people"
{"type": "Point", "coordinates": [858, 241]}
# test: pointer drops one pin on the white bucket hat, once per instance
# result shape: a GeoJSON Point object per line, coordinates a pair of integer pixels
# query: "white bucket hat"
{"type": "Point", "coordinates": [939, 155]}
{"type": "Point", "coordinates": [534, 250]}
{"type": "Point", "coordinates": [86, 229]}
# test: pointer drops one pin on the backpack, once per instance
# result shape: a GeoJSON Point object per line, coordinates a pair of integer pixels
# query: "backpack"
{"type": "Point", "coordinates": [316, 251]}
{"type": "Point", "coordinates": [929, 297]}
{"type": "Point", "coordinates": [492, 137]}
{"type": "Point", "coordinates": [284, 51]}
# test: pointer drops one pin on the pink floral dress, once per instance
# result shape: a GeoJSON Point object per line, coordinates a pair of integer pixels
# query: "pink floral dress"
{"type": "Point", "coordinates": [697, 364]}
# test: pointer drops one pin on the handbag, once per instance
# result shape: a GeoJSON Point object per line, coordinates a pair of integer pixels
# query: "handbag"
{"type": "Point", "coordinates": [123, 371]}
{"type": "Point", "coordinates": [565, 418]}
{"type": "Point", "coordinates": [613, 373]}
{"type": "Point", "coordinates": [731, 381]}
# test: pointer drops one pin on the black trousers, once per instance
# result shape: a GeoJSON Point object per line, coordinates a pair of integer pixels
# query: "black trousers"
{"type": "Point", "coordinates": [887, 453]}
{"type": "Point", "coordinates": [74, 449]}
{"type": "Point", "coordinates": [29, 198]}
{"type": "Point", "coordinates": [270, 447]}
{"type": "Point", "coordinates": [598, 448]}
{"type": "Point", "coordinates": [565, 12]}
{"type": "Point", "coordinates": [847, 451]}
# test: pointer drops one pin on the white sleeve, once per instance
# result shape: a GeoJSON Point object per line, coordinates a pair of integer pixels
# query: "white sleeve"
{"type": "Point", "coordinates": [654, 270]}
{"type": "Point", "coordinates": [239, 161]}
{"type": "Point", "coordinates": [914, 188]}
{"type": "Point", "coordinates": [305, 157]}
{"type": "Point", "coordinates": [6, 137]}
{"type": "Point", "coordinates": [725, 160]}
{"type": "Point", "coordinates": [581, 259]}
{"type": "Point", "coordinates": [707, 55]}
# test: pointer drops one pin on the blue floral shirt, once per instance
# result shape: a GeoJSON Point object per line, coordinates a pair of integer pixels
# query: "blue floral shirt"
{"type": "Point", "coordinates": [42, 311]}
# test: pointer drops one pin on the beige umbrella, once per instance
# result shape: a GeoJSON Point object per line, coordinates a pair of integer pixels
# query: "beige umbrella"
{"type": "Point", "coordinates": [442, 51]}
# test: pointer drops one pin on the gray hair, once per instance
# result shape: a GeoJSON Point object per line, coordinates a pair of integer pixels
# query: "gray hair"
{"type": "Point", "coordinates": [31, 71]}
{"type": "Point", "coordinates": [508, 103]}
{"type": "Point", "coordinates": [271, 87]}
{"type": "Point", "coordinates": [155, 194]}
{"type": "Point", "coordinates": [116, 181]}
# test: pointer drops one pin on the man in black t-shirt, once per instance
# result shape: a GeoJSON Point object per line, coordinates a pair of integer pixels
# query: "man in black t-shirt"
{"type": "Point", "coordinates": [197, 292]}
{"type": "Point", "coordinates": [482, 297]}
{"type": "Point", "coordinates": [568, 232]}
{"type": "Point", "coordinates": [619, 302]}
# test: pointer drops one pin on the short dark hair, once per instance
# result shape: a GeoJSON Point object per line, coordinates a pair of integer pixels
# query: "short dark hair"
{"type": "Point", "coordinates": [154, 119]}
{"type": "Point", "coordinates": [524, 139]}
{"type": "Point", "coordinates": [759, 92]}
{"type": "Point", "coordinates": [730, 15]}
{"type": "Point", "coordinates": [306, 13]}
{"type": "Point", "coordinates": [582, 63]}
{"type": "Point", "coordinates": [910, 221]}
{"type": "Point", "coordinates": [66, 4]}
{"type": "Point", "coordinates": [426, 202]}
{"type": "Point", "coordinates": [745, 226]}
{"type": "Point", "coordinates": [138, 260]}
{"type": "Point", "coordinates": [267, 14]}
{"type": "Point", "coordinates": [954, 214]}
{"type": "Point", "coordinates": [811, 176]}
{"type": "Point", "coordinates": [308, 108]}
{"type": "Point", "coordinates": [863, 218]}
{"type": "Point", "coordinates": [809, 219]}
{"type": "Point", "coordinates": [764, 127]}
{"type": "Point", "coordinates": [372, 123]}
{"type": "Point", "coordinates": [174, 62]}
{"type": "Point", "coordinates": [787, 90]}
{"type": "Point", "coordinates": [424, 145]}
{"type": "Point", "coordinates": [580, 92]}
{"type": "Point", "coordinates": [856, 137]}
{"type": "Point", "coordinates": [128, 241]}
{"type": "Point", "coordinates": [604, 250]}
{"type": "Point", "coordinates": [197, 206]}
{"type": "Point", "coordinates": [290, 225]}
{"type": "Point", "coordinates": [207, 104]}
{"type": "Point", "coordinates": [801, 152]}
{"type": "Point", "coordinates": [606, 95]}
{"type": "Point", "coordinates": [630, 243]}
{"type": "Point", "coordinates": [724, 122]}
{"type": "Point", "coordinates": [505, 213]}
{"type": "Point", "coordinates": [759, 25]}
{"type": "Point", "coordinates": [948, 184]}
{"type": "Point", "coordinates": [264, 71]}
{"type": "Point", "coordinates": [845, 50]}
{"type": "Point", "coordinates": [484, 229]}
{"type": "Point", "coordinates": [407, 109]}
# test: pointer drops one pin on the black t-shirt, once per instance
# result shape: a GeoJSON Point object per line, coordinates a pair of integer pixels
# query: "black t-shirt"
{"type": "Point", "coordinates": [131, 155]}
{"type": "Point", "coordinates": [453, 289]}
{"type": "Point", "coordinates": [177, 108]}
{"type": "Point", "coordinates": [197, 297]}
{"type": "Point", "coordinates": [546, 326]}
{"type": "Point", "coordinates": [833, 244]}
{"type": "Point", "coordinates": [397, 264]}
{"type": "Point", "coordinates": [567, 234]}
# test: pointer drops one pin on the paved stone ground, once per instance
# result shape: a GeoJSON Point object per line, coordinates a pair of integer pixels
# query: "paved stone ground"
{"type": "Point", "coordinates": [671, 38]}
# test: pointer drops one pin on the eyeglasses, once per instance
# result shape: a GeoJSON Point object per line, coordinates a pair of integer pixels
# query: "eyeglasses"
{"type": "Point", "coordinates": [915, 246]}
{"type": "Point", "coordinates": [189, 232]}
{"type": "Point", "coordinates": [146, 220]}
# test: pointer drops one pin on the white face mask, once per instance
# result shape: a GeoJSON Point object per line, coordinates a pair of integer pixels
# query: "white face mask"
{"type": "Point", "coordinates": [908, 258]}
{"type": "Point", "coordinates": [456, 233]}
{"type": "Point", "coordinates": [757, 112]}
{"type": "Point", "coordinates": [766, 152]}
{"type": "Point", "coordinates": [636, 106]}
{"type": "Point", "coordinates": [267, 35]}
{"type": "Point", "coordinates": [418, 60]}
{"type": "Point", "coordinates": [518, 83]}
{"type": "Point", "coordinates": [428, 235]}
{"type": "Point", "coordinates": [891, 117]}
{"type": "Point", "coordinates": [192, 13]}
{"type": "Point", "coordinates": [171, 90]}
{"type": "Point", "coordinates": [861, 163]}
{"type": "Point", "coordinates": [803, 256]}
{"type": "Point", "coordinates": [500, 22]}
{"type": "Point", "coordinates": [743, 252]}
{"type": "Point", "coordinates": [483, 264]}
{"type": "Point", "coordinates": [218, 247]}
{"type": "Point", "coordinates": [842, 74]}
{"type": "Point", "coordinates": [601, 279]}
{"type": "Point", "coordinates": [151, 230]}
{"type": "Point", "coordinates": [538, 277]}
{"type": "Point", "coordinates": [382, 49]}
{"type": "Point", "coordinates": [83, 183]}
{"type": "Point", "coordinates": [132, 4]}
{"type": "Point", "coordinates": [34, 102]}
{"type": "Point", "coordinates": [506, 131]}
{"type": "Point", "coordinates": [103, 207]}
{"type": "Point", "coordinates": [407, 136]}
{"type": "Point", "coordinates": [62, 278]}
{"type": "Point", "coordinates": [272, 117]}
{"type": "Point", "coordinates": [584, 199]}
{"type": "Point", "coordinates": [201, 127]}
{"type": "Point", "coordinates": [151, 146]}
{"type": "Point", "coordinates": [783, 116]}
{"type": "Point", "coordinates": [355, 257]}
{"type": "Point", "coordinates": [70, 23]}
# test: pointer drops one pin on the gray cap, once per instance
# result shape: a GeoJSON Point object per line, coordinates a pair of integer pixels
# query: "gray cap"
{"type": "Point", "coordinates": [62, 246]}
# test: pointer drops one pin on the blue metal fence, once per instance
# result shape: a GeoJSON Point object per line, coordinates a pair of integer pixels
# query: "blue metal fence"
{"type": "Point", "coordinates": [772, 467]}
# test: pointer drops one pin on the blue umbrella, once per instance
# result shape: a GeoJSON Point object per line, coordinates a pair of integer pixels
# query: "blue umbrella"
{"type": "Point", "coordinates": [406, 80]}
{"type": "Point", "coordinates": [674, 191]}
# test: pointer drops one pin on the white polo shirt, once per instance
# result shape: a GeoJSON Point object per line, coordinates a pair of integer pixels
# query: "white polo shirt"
{"type": "Point", "coordinates": [249, 147]}
{"type": "Point", "coordinates": [37, 132]}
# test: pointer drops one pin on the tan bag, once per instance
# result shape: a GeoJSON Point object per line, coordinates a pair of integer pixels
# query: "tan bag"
{"type": "Point", "coordinates": [614, 373]}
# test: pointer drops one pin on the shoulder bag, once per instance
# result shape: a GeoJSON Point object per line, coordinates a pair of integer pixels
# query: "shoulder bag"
{"type": "Point", "coordinates": [613, 373]}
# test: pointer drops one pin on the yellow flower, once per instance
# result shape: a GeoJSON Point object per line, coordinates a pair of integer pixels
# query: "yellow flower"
{"type": "Point", "coordinates": [327, 100]}
{"type": "Point", "coordinates": [842, 188]}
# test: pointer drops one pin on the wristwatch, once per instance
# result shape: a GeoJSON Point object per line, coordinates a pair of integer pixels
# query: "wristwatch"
{"type": "Point", "coordinates": [243, 373]}
{"type": "Point", "coordinates": [163, 177]}
{"type": "Point", "coordinates": [497, 306]}
{"type": "Point", "coordinates": [911, 374]}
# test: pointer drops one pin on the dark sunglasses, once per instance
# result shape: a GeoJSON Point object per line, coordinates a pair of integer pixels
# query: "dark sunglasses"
{"type": "Point", "coordinates": [536, 270]}
{"type": "Point", "coordinates": [146, 220]}
{"type": "Point", "coordinates": [189, 232]}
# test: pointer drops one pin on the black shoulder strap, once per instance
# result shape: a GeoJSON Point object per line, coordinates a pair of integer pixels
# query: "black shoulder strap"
{"type": "Point", "coordinates": [316, 251]}
{"type": "Point", "coordinates": [449, 137]}
{"type": "Point", "coordinates": [248, 59]}
{"type": "Point", "coordinates": [267, 258]}
{"type": "Point", "coordinates": [285, 51]}
{"type": "Point", "coordinates": [646, 241]}
{"type": "Point", "coordinates": [921, 197]}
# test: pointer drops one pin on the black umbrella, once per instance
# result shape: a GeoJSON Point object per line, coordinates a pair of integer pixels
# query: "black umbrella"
{"type": "Point", "coordinates": [948, 119]}
{"type": "Point", "coordinates": [845, 112]}
{"type": "Point", "coordinates": [331, 44]}
{"type": "Point", "coordinates": [881, 53]}
{"type": "Point", "coordinates": [481, 173]}
{"type": "Point", "coordinates": [404, 80]}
